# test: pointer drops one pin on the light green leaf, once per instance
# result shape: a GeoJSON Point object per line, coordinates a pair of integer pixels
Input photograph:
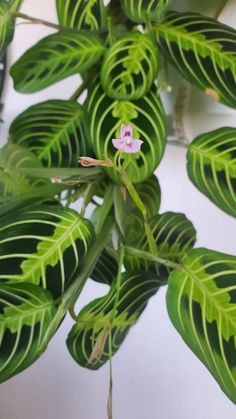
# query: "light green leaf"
{"type": "Point", "coordinates": [212, 167]}
{"type": "Point", "coordinates": [130, 66]}
{"type": "Point", "coordinates": [114, 314]}
{"type": "Point", "coordinates": [54, 58]}
{"type": "Point", "coordinates": [201, 301]}
{"type": "Point", "coordinates": [140, 11]}
{"type": "Point", "coordinates": [174, 236]}
{"type": "Point", "coordinates": [203, 51]}
{"type": "Point", "coordinates": [12, 183]}
{"type": "Point", "coordinates": [6, 26]}
{"type": "Point", "coordinates": [26, 314]}
{"type": "Point", "coordinates": [45, 246]}
{"type": "Point", "coordinates": [82, 14]}
{"type": "Point", "coordinates": [104, 120]}
{"type": "Point", "coordinates": [54, 131]}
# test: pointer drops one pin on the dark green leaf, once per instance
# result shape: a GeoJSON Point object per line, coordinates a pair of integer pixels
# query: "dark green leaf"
{"type": "Point", "coordinates": [88, 340]}
{"type": "Point", "coordinates": [6, 26]}
{"type": "Point", "coordinates": [26, 312]}
{"type": "Point", "coordinates": [54, 58]}
{"type": "Point", "coordinates": [204, 52]}
{"type": "Point", "coordinates": [105, 269]}
{"type": "Point", "coordinates": [82, 14]}
{"type": "Point", "coordinates": [201, 301]}
{"type": "Point", "coordinates": [174, 235]}
{"type": "Point", "coordinates": [212, 167]}
{"type": "Point", "coordinates": [130, 66]}
{"type": "Point", "coordinates": [140, 11]}
{"type": "Point", "coordinates": [105, 117]}
{"type": "Point", "coordinates": [53, 130]}
{"type": "Point", "coordinates": [44, 245]}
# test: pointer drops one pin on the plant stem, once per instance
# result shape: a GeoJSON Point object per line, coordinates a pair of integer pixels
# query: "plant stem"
{"type": "Point", "coordinates": [35, 20]}
{"type": "Point", "coordinates": [109, 402]}
{"type": "Point", "coordinates": [142, 254]}
{"type": "Point", "coordinates": [80, 90]}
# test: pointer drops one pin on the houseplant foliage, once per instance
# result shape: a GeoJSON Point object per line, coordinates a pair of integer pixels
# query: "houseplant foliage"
{"type": "Point", "coordinates": [48, 250]}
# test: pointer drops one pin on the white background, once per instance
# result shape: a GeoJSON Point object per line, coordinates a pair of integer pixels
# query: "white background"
{"type": "Point", "coordinates": [155, 374]}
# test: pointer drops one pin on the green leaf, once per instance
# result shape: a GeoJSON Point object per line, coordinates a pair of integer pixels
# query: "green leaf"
{"type": "Point", "coordinates": [12, 183]}
{"type": "Point", "coordinates": [140, 11]}
{"type": "Point", "coordinates": [45, 246]}
{"type": "Point", "coordinates": [6, 26]}
{"type": "Point", "coordinates": [81, 14]}
{"type": "Point", "coordinates": [130, 66]}
{"type": "Point", "coordinates": [201, 301]}
{"type": "Point", "coordinates": [25, 316]}
{"type": "Point", "coordinates": [114, 314]}
{"type": "Point", "coordinates": [14, 5]}
{"type": "Point", "coordinates": [174, 235]}
{"type": "Point", "coordinates": [128, 216]}
{"type": "Point", "coordinates": [54, 58]}
{"type": "Point", "coordinates": [104, 120]}
{"type": "Point", "coordinates": [105, 269]}
{"type": "Point", "coordinates": [53, 130]}
{"type": "Point", "coordinates": [203, 51]}
{"type": "Point", "coordinates": [212, 167]}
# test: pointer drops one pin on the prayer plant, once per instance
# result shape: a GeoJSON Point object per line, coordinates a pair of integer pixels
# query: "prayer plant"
{"type": "Point", "coordinates": [103, 151]}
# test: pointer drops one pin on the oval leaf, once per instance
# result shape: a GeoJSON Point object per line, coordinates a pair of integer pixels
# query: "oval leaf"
{"type": "Point", "coordinates": [105, 117]}
{"type": "Point", "coordinates": [6, 26]}
{"type": "Point", "coordinates": [140, 11]}
{"type": "Point", "coordinates": [130, 67]}
{"type": "Point", "coordinates": [12, 183]}
{"type": "Point", "coordinates": [105, 269]}
{"type": "Point", "coordinates": [201, 301]}
{"type": "Point", "coordinates": [25, 316]}
{"type": "Point", "coordinates": [203, 51]}
{"type": "Point", "coordinates": [212, 167]}
{"type": "Point", "coordinates": [53, 130]}
{"type": "Point", "coordinates": [54, 58]}
{"type": "Point", "coordinates": [174, 235]}
{"type": "Point", "coordinates": [44, 246]}
{"type": "Point", "coordinates": [114, 314]}
{"type": "Point", "coordinates": [82, 14]}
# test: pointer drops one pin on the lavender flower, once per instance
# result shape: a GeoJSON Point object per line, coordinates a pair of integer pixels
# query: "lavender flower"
{"type": "Point", "coordinates": [126, 142]}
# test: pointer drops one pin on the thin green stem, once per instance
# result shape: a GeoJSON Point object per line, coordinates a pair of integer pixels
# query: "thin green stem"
{"type": "Point", "coordinates": [80, 90]}
{"type": "Point", "coordinates": [109, 402]}
{"type": "Point", "coordinates": [35, 20]}
{"type": "Point", "coordinates": [142, 254]}
{"type": "Point", "coordinates": [105, 208]}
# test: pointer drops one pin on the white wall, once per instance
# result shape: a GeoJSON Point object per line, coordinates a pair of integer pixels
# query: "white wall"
{"type": "Point", "coordinates": [155, 374]}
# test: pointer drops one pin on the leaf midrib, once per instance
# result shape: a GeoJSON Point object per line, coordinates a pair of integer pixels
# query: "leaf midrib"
{"type": "Point", "coordinates": [219, 160]}
{"type": "Point", "coordinates": [57, 244]}
{"type": "Point", "coordinates": [208, 295]}
{"type": "Point", "coordinates": [203, 44]}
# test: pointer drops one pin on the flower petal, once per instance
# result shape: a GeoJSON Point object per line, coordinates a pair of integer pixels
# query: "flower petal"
{"type": "Point", "coordinates": [133, 147]}
{"type": "Point", "coordinates": [126, 131]}
{"type": "Point", "coordinates": [118, 143]}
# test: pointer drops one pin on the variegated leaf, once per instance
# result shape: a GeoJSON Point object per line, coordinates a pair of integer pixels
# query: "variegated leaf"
{"type": "Point", "coordinates": [105, 117]}
{"type": "Point", "coordinates": [112, 315]}
{"type": "Point", "coordinates": [82, 14]}
{"type": "Point", "coordinates": [140, 11]}
{"type": "Point", "coordinates": [203, 51]}
{"type": "Point", "coordinates": [6, 26]}
{"type": "Point", "coordinates": [45, 246]}
{"type": "Point", "coordinates": [54, 131]}
{"type": "Point", "coordinates": [12, 183]}
{"type": "Point", "coordinates": [105, 269]}
{"type": "Point", "coordinates": [201, 302]}
{"type": "Point", "coordinates": [25, 316]}
{"type": "Point", "coordinates": [130, 66]}
{"type": "Point", "coordinates": [54, 58]}
{"type": "Point", "coordinates": [212, 167]}
{"type": "Point", "coordinates": [174, 235]}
